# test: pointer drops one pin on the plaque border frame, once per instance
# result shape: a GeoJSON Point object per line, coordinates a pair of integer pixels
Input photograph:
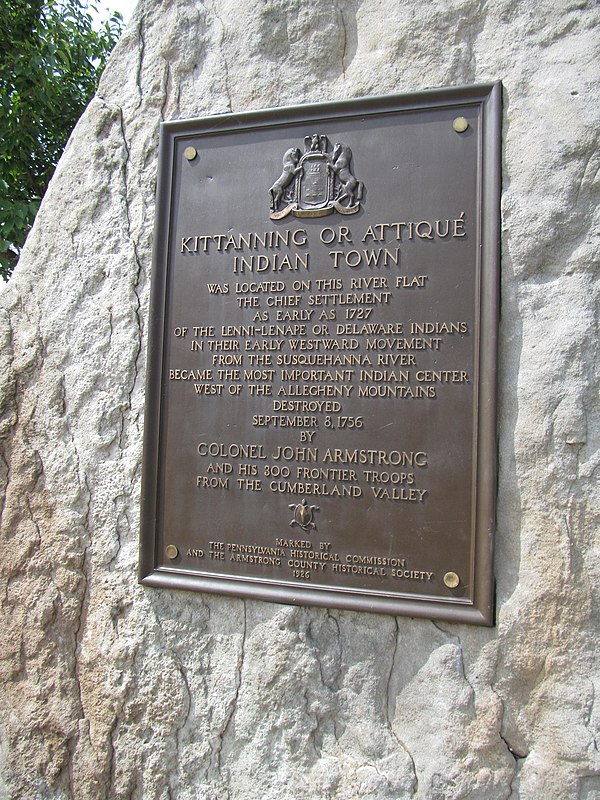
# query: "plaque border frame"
{"type": "Point", "coordinates": [481, 610]}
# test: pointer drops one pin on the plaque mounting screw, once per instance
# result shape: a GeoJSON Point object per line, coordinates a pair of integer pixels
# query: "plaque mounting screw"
{"type": "Point", "coordinates": [460, 124]}
{"type": "Point", "coordinates": [190, 153]}
{"type": "Point", "coordinates": [451, 580]}
{"type": "Point", "coordinates": [171, 551]}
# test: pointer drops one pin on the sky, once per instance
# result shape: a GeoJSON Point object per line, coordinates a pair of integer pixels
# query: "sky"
{"type": "Point", "coordinates": [124, 6]}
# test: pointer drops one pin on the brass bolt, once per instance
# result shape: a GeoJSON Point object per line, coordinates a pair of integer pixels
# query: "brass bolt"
{"type": "Point", "coordinates": [460, 124]}
{"type": "Point", "coordinates": [190, 153]}
{"type": "Point", "coordinates": [171, 551]}
{"type": "Point", "coordinates": [451, 580]}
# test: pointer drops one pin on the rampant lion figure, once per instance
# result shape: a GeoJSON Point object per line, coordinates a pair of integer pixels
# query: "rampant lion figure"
{"type": "Point", "coordinates": [351, 188]}
{"type": "Point", "coordinates": [290, 170]}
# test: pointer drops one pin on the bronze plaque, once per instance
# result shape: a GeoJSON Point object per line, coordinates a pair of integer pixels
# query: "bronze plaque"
{"type": "Point", "coordinates": [320, 417]}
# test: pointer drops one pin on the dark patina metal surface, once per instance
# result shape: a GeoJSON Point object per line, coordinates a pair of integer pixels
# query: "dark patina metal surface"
{"type": "Point", "coordinates": [320, 414]}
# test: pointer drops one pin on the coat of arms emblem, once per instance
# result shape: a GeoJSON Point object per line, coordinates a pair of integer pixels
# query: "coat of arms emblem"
{"type": "Point", "coordinates": [317, 182]}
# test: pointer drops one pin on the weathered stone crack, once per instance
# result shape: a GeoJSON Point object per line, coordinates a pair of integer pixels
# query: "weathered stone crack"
{"type": "Point", "coordinates": [589, 160]}
{"type": "Point", "coordinates": [389, 699]}
{"type": "Point", "coordinates": [85, 490]}
{"type": "Point", "coordinates": [332, 684]}
{"type": "Point", "coordinates": [315, 717]}
{"type": "Point", "coordinates": [336, 676]}
{"type": "Point", "coordinates": [315, 646]}
{"type": "Point", "coordinates": [111, 766]}
{"type": "Point", "coordinates": [458, 643]}
{"type": "Point", "coordinates": [33, 522]}
{"type": "Point", "coordinates": [188, 708]}
{"type": "Point", "coordinates": [516, 758]}
{"type": "Point", "coordinates": [6, 483]}
{"type": "Point", "coordinates": [233, 704]}
{"type": "Point", "coordinates": [13, 575]}
{"type": "Point", "coordinates": [223, 56]}
{"type": "Point", "coordinates": [78, 637]}
{"type": "Point", "coordinates": [165, 89]}
{"type": "Point", "coordinates": [345, 32]}
{"type": "Point", "coordinates": [136, 281]}
{"type": "Point", "coordinates": [388, 704]}
{"type": "Point", "coordinates": [445, 632]}
{"type": "Point", "coordinates": [111, 755]}
{"type": "Point", "coordinates": [589, 717]}
{"type": "Point", "coordinates": [15, 406]}
{"type": "Point", "coordinates": [141, 51]}
{"type": "Point", "coordinates": [115, 555]}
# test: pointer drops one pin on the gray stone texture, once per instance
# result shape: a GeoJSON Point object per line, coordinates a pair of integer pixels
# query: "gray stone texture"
{"type": "Point", "coordinates": [111, 690]}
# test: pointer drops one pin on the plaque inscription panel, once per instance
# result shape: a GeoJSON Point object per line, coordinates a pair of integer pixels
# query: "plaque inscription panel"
{"type": "Point", "coordinates": [320, 414]}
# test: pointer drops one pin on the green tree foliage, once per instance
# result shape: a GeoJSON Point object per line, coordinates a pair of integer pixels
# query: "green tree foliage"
{"type": "Point", "coordinates": [51, 59]}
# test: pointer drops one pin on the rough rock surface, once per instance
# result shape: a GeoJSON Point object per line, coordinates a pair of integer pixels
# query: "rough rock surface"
{"type": "Point", "coordinates": [111, 690]}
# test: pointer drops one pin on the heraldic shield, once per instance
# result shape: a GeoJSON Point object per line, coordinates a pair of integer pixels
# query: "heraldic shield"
{"type": "Point", "coordinates": [316, 183]}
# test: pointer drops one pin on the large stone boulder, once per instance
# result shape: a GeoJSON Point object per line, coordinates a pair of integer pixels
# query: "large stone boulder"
{"type": "Point", "coordinates": [113, 690]}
